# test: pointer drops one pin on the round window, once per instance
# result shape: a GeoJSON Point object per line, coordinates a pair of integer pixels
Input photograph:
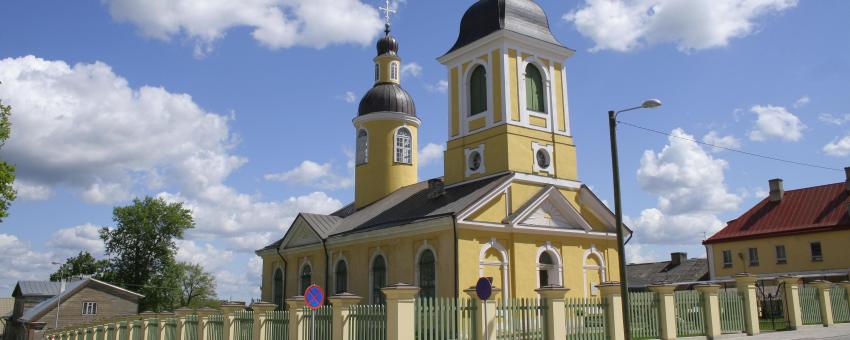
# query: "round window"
{"type": "Point", "coordinates": [543, 160]}
{"type": "Point", "coordinates": [474, 161]}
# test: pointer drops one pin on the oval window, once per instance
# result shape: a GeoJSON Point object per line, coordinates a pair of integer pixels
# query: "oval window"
{"type": "Point", "coordinates": [474, 161]}
{"type": "Point", "coordinates": [543, 160]}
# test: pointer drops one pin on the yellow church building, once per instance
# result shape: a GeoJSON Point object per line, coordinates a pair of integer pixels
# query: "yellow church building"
{"type": "Point", "coordinates": [510, 205]}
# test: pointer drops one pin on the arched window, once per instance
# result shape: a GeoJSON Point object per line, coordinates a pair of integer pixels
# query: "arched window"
{"type": "Point", "coordinates": [277, 288]}
{"type": "Point", "coordinates": [403, 152]}
{"type": "Point", "coordinates": [546, 270]}
{"type": "Point", "coordinates": [341, 277]}
{"type": "Point", "coordinates": [478, 91]}
{"type": "Point", "coordinates": [306, 278]}
{"type": "Point", "coordinates": [394, 72]}
{"type": "Point", "coordinates": [427, 274]}
{"type": "Point", "coordinates": [379, 279]}
{"type": "Point", "coordinates": [534, 96]}
{"type": "Point", "coordinates": [377, 72]}
{"type": "Point", "coordinates": [362, 147]}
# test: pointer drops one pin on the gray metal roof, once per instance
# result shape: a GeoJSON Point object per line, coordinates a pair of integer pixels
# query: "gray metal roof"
{"type": "Point", "coordinates": [387, 97]}
{"type": "Point", "coordinates": [322, 224]}
{"type": "Point", "coordinates": [46, 305]}
{"type": "Point", "coordinates": [37, 288]}
{"type": "Point", "coordinates": [487, 16]}
{"type": "Point", "coordinates": [645, 274]}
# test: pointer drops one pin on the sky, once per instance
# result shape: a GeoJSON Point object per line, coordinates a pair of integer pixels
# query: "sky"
{"type": "Point", "coordinates": [242, 111]}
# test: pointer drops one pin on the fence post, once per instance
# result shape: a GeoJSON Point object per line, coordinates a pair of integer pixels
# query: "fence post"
{"type": "Point", "coordinates": [163, 320]}
{"type": "Point", "coordinates": [260, 309]}
{"type": "Point", "coordinates": [112, 329]}
{"type": "Point", "coordinates": [204, 321]}
{"type": "Point", "coordinates": [666, 309]}
{"type": "Point", "coordinates": [401, 311]}
{"type": "Point", "coordinates": [556, 315]}
{"type": "Point", "coordinates": [745, 283]}
{"type": "Point", "coordinates": [146, 321]}
{"type": "Point", "coordinates": [180, 316]}
{"type": "Point", "coordinates": [296, 317]}
{"type": "Point", "coordinates": [793, 310]}
{"type": "Point", "coordinates": [711, 311]}
{"type": "Point", "coordinates": [229, 309]}
{"type": "Point", "coordinates": [614, 299]}
{"type": "Point", "coordinates": [341, 312]}
{"type": "Point", "coordinates": [480, 320]}
{"type": "Point", "coordinates": [825, 301]}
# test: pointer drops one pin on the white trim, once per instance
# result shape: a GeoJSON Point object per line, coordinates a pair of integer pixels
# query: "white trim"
{"type": "Point", "coordinates": [552, 51]}
{"type": "Point", "coordinates": [566, 116]}
{"type": "Point", "coordinates": [341, 258]}
{"type": "Point", "coordinates": [557, 182]}
{"type": "Point", "coordinates": [601, 267]}
{"type": "Point", "coordinates": [463, 214]}
{"type": "Point", "coordinates": [504, 266]}
{"type": "Point", "coordinates": [304, 262]}
{"type": "Point", "coordinates": [559, 264]}
{"type": "Point", "coordinates": [386, 115]}
{"type": "Point", "coordinates": [414, 228]}
{"type": "Point", "coordinates": [709, 254]}
{"type": "Point", "coordinates": [550, 153]}
{"type": "Point", "coordinates": [422, 248]}
{"type": "Point", "coordinates": [396, 160]}
{"type": "Point", "coordinates": [465, 99]}
{"type": "Point", "coordinates": [562, 204]}
{"type": "Point", "coordinates": [357, 150]}
{"type": "Point", "coordinates": [377, 252]}
{"type": "Point", "coordinates": [525, 113]}
{"type": "Point", "coordinates": [481, 168]}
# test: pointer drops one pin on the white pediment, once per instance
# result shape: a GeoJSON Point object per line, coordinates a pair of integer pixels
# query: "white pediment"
{"type": "Point", "coordinates": [552, 210]}
{"type": "Point", "coordinates": [301, 235]}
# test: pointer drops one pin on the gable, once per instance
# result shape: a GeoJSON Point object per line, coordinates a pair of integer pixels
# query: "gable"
{"type": "Point", "coordinates": [301, 234]}
{"type": "Point", "coordinates": [550, 209]}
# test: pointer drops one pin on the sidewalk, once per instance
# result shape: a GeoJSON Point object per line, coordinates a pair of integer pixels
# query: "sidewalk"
{"type": "Point", "coordinates": [840, 331]}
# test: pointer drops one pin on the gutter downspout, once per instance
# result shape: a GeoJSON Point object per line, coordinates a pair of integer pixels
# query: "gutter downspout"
{"type": "Point", "coordinates": [454, 230]}
{"type": "Point", "coordinates": [285, 268]}
{"type": "Point", "coordinates": [327, 270]}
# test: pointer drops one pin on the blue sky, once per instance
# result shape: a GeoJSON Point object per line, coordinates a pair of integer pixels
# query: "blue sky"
{"type": "Point", "coordinates": [243, 111]}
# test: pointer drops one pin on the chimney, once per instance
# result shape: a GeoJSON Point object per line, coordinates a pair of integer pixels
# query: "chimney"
{"type": "Point", "coordinates": [678, 258]}
{"type": "Point", "coordinates": [777, 190]}
{"type": "Point", "coordinates": [847, 178]}
{"type": "Point", "coordinates": [436, 188]}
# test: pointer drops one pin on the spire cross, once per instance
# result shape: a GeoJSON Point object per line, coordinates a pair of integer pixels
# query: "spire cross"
{"type": "Point", "coordinates": [387, 10]}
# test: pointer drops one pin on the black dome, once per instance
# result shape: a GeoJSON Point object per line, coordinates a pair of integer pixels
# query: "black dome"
{"type": "Point", "coordinates": [487, 16]}
{"type": "Point", "coordinates": [387, 44]}
{"type": "Point", "coordinates": [387, 97]}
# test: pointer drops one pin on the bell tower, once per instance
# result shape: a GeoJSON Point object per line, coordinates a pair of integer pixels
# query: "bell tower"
{"type": "Point", "coordinates": [508, 108]}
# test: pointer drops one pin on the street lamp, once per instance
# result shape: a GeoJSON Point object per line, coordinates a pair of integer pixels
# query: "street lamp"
{"type": "Point", "coordinates": [618, 209]}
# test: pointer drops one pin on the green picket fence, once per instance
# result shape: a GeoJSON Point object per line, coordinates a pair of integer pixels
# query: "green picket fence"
{"type": "Point", "coordinates": [153, 329]}
{"type": "Point", "coordinates": [586, 319]}
{"type": "Point", "coordinates": [840, 305]}
{"type": "Point", "coordinates": [689, 310]}
{"type": "Point", "coordinates": [810, 304]}
{"type": "Point", "coordinates": [520, 319]}
{"type": "Point", "coordinates": [122, 330]}
{"type": "Point", "coordinates": [243, 322]}
{"type": "Point", "coordinates": [190, 329]}
{"type": "Point", "coordinates": [277, 325]}
{"type": "Point", "coordinates": [98, 334]}
{"type": "Point", "coordinates": [367, 322]}
{"type": "Point", "coordinates": [169, 329]}
{"type": "Point", "coordinates": [445, 319]}
{"type": "Point", "coordinates": [215, 327]}
{"type": "Point", "coordinates": [137, 329]}
{"type": "Point", "coordinates": [643, 315]}
{"type": "Point", "coordinates": [731, 312]}
{"type": "Point", "coordinates": [318, 324]}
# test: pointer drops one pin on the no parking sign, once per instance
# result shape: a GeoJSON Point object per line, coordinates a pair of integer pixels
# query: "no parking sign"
{"type": "Point", "coordinates": [314, 297]}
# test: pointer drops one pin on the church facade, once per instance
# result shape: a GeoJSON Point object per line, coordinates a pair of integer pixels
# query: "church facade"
{"type": "Point", "coordinates": [509, 207]}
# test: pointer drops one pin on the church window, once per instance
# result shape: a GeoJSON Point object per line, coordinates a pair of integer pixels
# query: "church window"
{"type": "Point", "coordinates": [403, 149]}
{"type": "Point", "coordinates": [478, 91]}
{"type": "Point", "coordinates": [546, 270]}
{"type": "Point", "coordinates": [306, 277]}
{"type": "Point", "coordinates": [341, 277]}
{"type": "Point", "coordinates": [362, 147]}
{"type": "Point", "coordinates": [474, 161]}
{"type": "Point", "coordinates": [394, 72]}
{"type": "Point", "coordinates": [534, 97]}
{"type": "Point", "coordinates": [377, 72]}
{"type": "Point", "coordinates": [427, 274]}
{"type": "Point", "coordinates": [278, 288]}
{"type": "Point", "coordinates": [379, 279]}
{"type": "Point", "coordinates": [543, 159]}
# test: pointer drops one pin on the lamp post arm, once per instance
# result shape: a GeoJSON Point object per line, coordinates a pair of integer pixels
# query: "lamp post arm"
{"type": "Point", "coordinates": [618, 212]}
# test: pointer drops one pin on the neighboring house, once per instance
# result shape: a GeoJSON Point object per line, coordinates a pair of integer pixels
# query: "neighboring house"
{"type": "Point", "coordinates": [510, 205]}
{"type": "Point", "coordinates": [679, 270]}
{"type": "Point", "coordinates": [81, 301]}
{"type": "Point", "coordinates": [803, 232]}
{"type": "Point", "coordinates": [6, 307]}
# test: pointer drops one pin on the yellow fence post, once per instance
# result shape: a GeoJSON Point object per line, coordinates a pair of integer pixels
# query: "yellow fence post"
{"type": "Point", "coordinates": [112, 330]}
{"type": "Point", "coordinates": [146, 322]}
{"type": "Point", "coordinates": [745, 284]}
{"type": "Point", "coordinates": [229, 309]}
{"type": "Point", "coordinates": [556, 315]}
{"type": "Point", "coordinates": [825, 301]}
{"type": "Point", "coordinates": [260, 309]}
{"type": "Point", "coordinates": [483, 317]}
{"type": "Point", "coordinates": [401, 311]}
{"type": "Point", "coordinates": [296, 317]}
{"type": "Point", "coordinates": [793, 310]}
{"type": "Point", "coordinates": [711, 312]}
{"type": "Point", "coordinates": [181, 315]}
{"type": "Point", "coordinates": [204, 321]}
{"type": "Point", "coordinates": [614, 299]}
{"type": "Point", "coordinates": [341, 312]}
{"type": "Point", "coordinates": [163, 320]}
{"type": "Point", "coordinates": [666, 309]}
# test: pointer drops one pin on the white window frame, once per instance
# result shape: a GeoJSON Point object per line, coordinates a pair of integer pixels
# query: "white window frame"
{"type": "Point", "coordinates": [342, 259]}
{"type": "Point", "coordinates": [753, 257]}
{"type": "Point", "coordinates": [784, 258]}
{"type": "Point", "coordinates": [555, 271]}
{"type": "Point", "coordinates": [594, 291]}
{"type": "Point", "coordinates": [89, 308]}
{"type": "Point", "coordinates": [468, 153]}
{"type": "Point", "coordinates": [362, 152]}
{"type": "Point", "coordinates": [403, 154]}
{"type": "Point", "coordinates": [726, 264]}
{"type": "Point", "coordinates": [394, 70]}
{"type": "Point", "coordinates": [378, 252]}
{"type": "Point", "coordinates": [305, 263]}
{"type": "Point", "coordinates": [549, 149]}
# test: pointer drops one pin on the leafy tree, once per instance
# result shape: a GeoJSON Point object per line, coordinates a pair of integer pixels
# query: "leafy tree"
{"type": "Point", "coordinates": [7, 171]}
{"type": "Point", "coordinates": [142, 247]}
{"type": "Point", "coordinates": [197, 287]}
{"type": "Point", "coordinates": [84, 264]}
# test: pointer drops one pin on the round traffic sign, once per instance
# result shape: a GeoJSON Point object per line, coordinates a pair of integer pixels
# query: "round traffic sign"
{"type": "Point", "coordinates": [314, 297]}
{"type": "Point", "coordinates": [484, 288]}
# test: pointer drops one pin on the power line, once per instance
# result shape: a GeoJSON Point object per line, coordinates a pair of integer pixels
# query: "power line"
{"type": "Point", "coordinates": [731, 149]}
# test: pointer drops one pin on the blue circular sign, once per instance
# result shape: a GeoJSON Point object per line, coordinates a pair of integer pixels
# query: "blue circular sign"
{"type": "Point", "coordinates": [484, 288]}
{"type": "Point", "coordinates": [314, 297]}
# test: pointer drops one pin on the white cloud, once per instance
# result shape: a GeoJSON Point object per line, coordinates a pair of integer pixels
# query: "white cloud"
{"type": "Point", "coordinates": [691, 189]}
{"type": "Point", "coordinates": [624, 25]}
{"type": "Point", "coordinates": [312, 174]}
{"type": "Point", "coordinates": [834, 119]}
{"type": "Point", "coordinates": [803, 101]}
{"type": "Point", "coordinates": [412, 69]}
{"type": "Point", "coordinates": [430, 153]}
{"type": "Point", "coordinates": [776, 122]}
{"type": "Point", "coordinates": [715, 138]}
{"type": "Point", "coordinates": [107, 193]}
{"type": "Point", "coordinates": [20, 262]}
{"type": "Point", "coordinates": [639, 253]}
{"type": "Point", "coordinates": [441, 86]}
{"type": "Point", "coordinates": [245, 285]}
{"type": "Point", "coordinates": [207, 255]}
{"type": "Point", "coordinates": [31, 192]}
{"type": "Point", "coordinates": [275, 23]}
{"type": "Point", "coordinates": [71, 241]}
{"type": "Point", "coordinates": [838, 147]}
{"type": "Point", "coordinates": [349, 97]}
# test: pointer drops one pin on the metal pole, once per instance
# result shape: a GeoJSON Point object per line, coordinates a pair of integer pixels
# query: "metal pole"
{"type": "Point", "coordinates": [618, 211]}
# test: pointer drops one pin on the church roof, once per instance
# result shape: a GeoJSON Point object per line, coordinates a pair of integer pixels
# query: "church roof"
{"type": "Point", "coordinates": [387, 97]}
{"type": "Point", "coordinates": [520, 16]}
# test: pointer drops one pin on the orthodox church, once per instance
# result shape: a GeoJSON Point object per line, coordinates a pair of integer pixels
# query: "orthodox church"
{"type": "Point", "coordinates": [509, 207]}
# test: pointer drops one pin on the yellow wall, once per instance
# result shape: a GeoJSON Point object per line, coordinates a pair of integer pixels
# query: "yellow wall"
{"type": "Point", "coordinates": [513, 77]}
{"type": "Point", "coordinates": [384, 64]}
{"type": "Point", "coordinates": [455, 102]}
{"type": "Point", "coordinates": [560, 95]}
{"type": "Point", "coordinates": [497, 85]}
{"type": "Point", "coordinates": [836, 253]}
{"type": "Point", "coordinates": [381, 176]}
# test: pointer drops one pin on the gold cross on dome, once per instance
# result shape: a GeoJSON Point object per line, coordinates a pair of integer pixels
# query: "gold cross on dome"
{"type": "Point", "coordinates": [387, 10]}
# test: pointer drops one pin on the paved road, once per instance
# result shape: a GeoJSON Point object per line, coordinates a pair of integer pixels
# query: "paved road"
{"type": "Point", "coordinates": [837, 332]}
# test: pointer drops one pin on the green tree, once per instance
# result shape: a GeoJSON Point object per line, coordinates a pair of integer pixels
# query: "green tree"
{"type": "Point", "coordinates": [197, 287]}
{"type": "Point", "coordinates": [142, 247]}
{"type": "Point", "coordinates": [7, 171]}
{"type": "Point", "coordinates": [84, 264]}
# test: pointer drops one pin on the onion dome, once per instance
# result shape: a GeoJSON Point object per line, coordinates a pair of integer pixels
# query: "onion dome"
{"type": "Point", "coordinates": [520, 16]}
{"type": "Point", "coordinates": [387, 44]}
{"type": "Point", "coordinates": [387, 97]}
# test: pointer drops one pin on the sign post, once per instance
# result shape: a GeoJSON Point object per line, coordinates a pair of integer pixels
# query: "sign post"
{"type": "Point", "coordinates": [484, 288]}
{"type": "Point", "coordinates": [314, 298]}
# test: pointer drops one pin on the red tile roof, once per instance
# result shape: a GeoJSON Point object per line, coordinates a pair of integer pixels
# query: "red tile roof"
{"type": "Point", "coordinates": [813, 209]}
